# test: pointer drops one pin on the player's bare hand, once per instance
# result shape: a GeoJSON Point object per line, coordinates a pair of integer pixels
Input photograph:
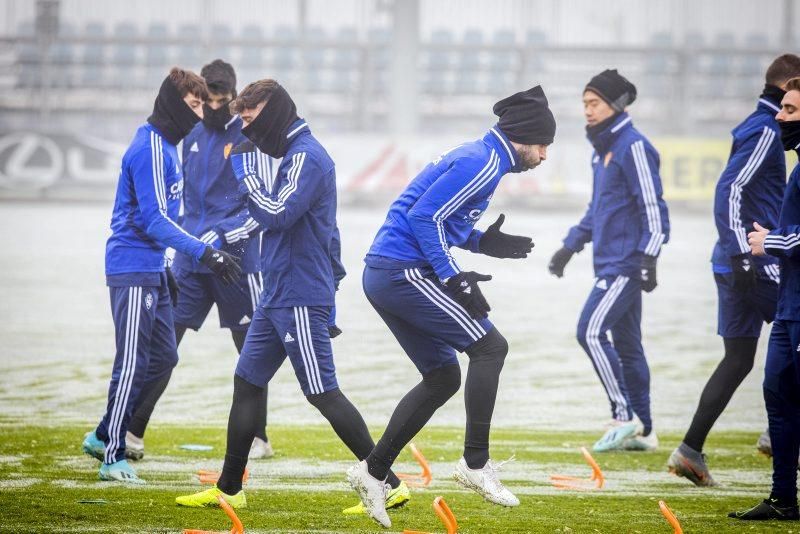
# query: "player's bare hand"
{"type": "Point", "coordinates": [756, 240]}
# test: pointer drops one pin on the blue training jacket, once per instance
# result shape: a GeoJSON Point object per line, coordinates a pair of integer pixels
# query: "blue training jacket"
{"type": "Point", "coordinates": [439, 208]}
{"type": "Point", "coordinates": [750, 188]}
{"type": "Point", "coordinates": [627, 216]}
{"type": "Point", "coordinates": [147, 204]}
{"type": "Point", "coordinates": [298, 213]}
{"type": "Point", "coordinates": [783, 242]}
{"type": "Point", "coordinates": [213, 208]}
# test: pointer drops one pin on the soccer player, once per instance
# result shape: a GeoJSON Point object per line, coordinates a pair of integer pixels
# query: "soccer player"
{"type": "Point", "coordinates": [434, 308]}
{"type": "Point", "coordinates": [298, 214]}
{"type": "Point", "coordinates": [214, 213]}
{"type": "Point", "coordinates": [142, 224]}
{"type": "Point", "coordinates": [782, 370]}
{"type": "Point", "coordinates": [750, 189]}
{"type": "Point", "coordinates": [627, 223]}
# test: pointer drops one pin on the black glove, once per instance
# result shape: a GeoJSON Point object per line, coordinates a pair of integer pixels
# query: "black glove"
{"type": "Point", "coordinates": [648, 271]}
{"type": "Point", "coordinates": [222, 264]}
{"type": "Point", "coordinates": [172, 284]}
{"type": "Point", "coordinates": [496, 244]}
{"type": "Point", "coordinates": [465, 290]}
{"type": "Point", "coordinates": [333, 331]}
{"type": "Point", "coordinates": [744, 273]}
{"type": "Point", "coordinates": [559, 261]}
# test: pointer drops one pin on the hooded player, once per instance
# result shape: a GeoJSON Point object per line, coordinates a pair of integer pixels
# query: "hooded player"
{"type": "Point", "coordinates": [435, 309]}
{"type": "Point", "coordinates": [142, 225]}
{"type": "Point", "coordinates": [627, 223]}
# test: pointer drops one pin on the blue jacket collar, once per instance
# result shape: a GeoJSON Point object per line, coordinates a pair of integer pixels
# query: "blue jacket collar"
{"type": "Point", "coordinates": [508, 155]}
{"type": "Point", "coordinates": [604, 138]}
{"type": "Point", "coordinates": [769, 105]}
{"type": "Point", "coordinates": [299, 126]}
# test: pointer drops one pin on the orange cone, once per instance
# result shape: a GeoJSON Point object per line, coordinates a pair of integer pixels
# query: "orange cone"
{"type": "Point", "coordinates": [212, 477]}
{"type": "Point", "coordinates": [670, 517]}
{"type": "Point", "coordinates": [445, 515]}
{"type": "Point", "coordinates": [595, 481]}
{"type": "Point", "coordinates": [424, 478]}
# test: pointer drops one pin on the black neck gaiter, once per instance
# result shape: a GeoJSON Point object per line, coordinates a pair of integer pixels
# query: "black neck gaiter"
{"type": "Point", "coordinates": [268, 130]}
{"type": "Point", "coordinates": [773, 93]}
{"type": "Point", "coordinates": [172, 117]}
{"type": "Point", "coordinates": [216, 119]}
{"type": "Point", "coordinates": [790, 134]}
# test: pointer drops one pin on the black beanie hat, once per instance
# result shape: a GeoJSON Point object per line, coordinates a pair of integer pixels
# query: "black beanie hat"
{"type": "Point", "coordinates": [220, 77]}
{"type": "Point", "coordinates": [614, 88]}
{"type": "Point", "coordinates": [526, 118]}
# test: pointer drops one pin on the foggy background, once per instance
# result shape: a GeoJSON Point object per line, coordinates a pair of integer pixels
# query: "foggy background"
{"type": "Point", "coordinates": [386, 86]}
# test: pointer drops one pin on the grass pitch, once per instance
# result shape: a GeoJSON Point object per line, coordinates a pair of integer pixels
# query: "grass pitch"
{"type": "Point", "coordinates": [43, 476]}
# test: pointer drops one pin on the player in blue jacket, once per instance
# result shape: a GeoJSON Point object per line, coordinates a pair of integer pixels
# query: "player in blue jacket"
{"type": "Point", "coordinates": [750, 189]}
{"type": "Point", "coordinates": [298, 214]}
{"type": "Point", "coordinates": [214, 213]}
{"type": "Point", "coordinates": [627, 223]}
{"type": "Point", "coordinates": [142, 225]}
{"type": "Point", "coordinates": [782, 369]}
{"type": "Point", "coordinates": [435, 309]}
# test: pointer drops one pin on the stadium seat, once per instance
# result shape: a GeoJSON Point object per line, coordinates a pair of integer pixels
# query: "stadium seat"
{"type": "Point", "coordinates": [191, 51]}
{"type": "Point", "coordinates": [504, 62]}
{"type": "Point", "coordinates": [439, 62]}
{"type": "Point", "coordinates": [468, 73]}
{"type": "Point", "coordinates": [27, 58]}
{"type": "Point", "coordinates": [533, 62]}
{"type": "Point", "coordinates": [63, 58]}
{"type": "Point", "coordinates": [658, 66]}
{"type": "Point", "coordinates": [253, 59]}
{"type": "Point", "coordinates": [314, 55]}
{"type": "Point", "coordinates": [379, 42]}
{"type": "Point", "coordinates": [286, 53]}
{"type": "Point", "coordinates": [221, 36]}
{"type": "Point", "coordinates": [93, 59]}
{"type": "Point", "coordinates": [158, 57]}
{"type": "Point", "coordinates": [346, 60]}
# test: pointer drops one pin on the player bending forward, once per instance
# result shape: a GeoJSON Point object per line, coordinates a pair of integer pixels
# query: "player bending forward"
{"type": "Point", "coordinates": [434, 308]}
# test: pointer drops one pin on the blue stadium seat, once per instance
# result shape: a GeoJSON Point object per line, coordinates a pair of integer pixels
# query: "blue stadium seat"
{"type": "Point", "coordinates": [314, 54]}
{"type": "Point", "coordinates": [379, 47]}
{"type": "Point", "coordinates": [469, 63]}
{"type": "Point", "coordinates": [94, 59]}
{"type": "Point", "coordinates": [158, 56]}
{"type": "Point", "coordinates": [346, 60]}
{"type": "Point", "coordinates": [27, 58]}
{"type": "Point", "coordinates": [753, 64]}
{"type": "Point", "coordinates": [532, 59]}
{"type": "Point", "coordinates": [253, 60]}
{"type": "Point", "coordinates": [190, 53]}
{"type": "Point", "coordinates": [503, 62]}
{"type": "Point", "coordinates": [721, 63]}
{"type": "Point", "coordinates": [657, 66]}
{"type": "Point", "coordinates": [439, 62]}
{"type": "Point", "coordinates": [221, 35]}
{"type": "Point", "coordinates": [63, 58]}
{"type": "Point", "coordinates": [286, 53]}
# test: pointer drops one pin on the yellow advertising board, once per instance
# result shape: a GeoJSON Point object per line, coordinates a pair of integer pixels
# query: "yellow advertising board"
{"type": "Point", "coordinates": [690, 167]}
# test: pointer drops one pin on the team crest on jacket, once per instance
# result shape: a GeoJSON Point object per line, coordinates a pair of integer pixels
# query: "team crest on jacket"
{"type": "Point", "coordinates": [607, 159]}
{"type": "Point", "coordinates": [226, 151]}
{"type": "Point", "coordinates": [148, 301]}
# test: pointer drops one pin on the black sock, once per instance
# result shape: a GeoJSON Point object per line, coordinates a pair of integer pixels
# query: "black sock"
{"type": "Point", "coordinates": [734, 367]}
{"type": "Point", "coordinates": [242, 425]}
{"type": "Point", "coordinates": [486, 358]}
{"type": "Point", "coordinates": [411, 414]}
{"type": "Point", "coordinates": [239, 337]}
{"type": "Point", "coordinates": [348, 424]}
{"type": "Point", "coordinates": [148, 397]}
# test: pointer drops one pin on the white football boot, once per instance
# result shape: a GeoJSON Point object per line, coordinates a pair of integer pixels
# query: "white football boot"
{"type": "Point", "coordinates": [134, 447]}
{"type": "Point", "coordinates": [372, 492]}
{"type": "Point", "coordinates": [641, 443]}
{"type": "Point", "coordinates": [484, 481]}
